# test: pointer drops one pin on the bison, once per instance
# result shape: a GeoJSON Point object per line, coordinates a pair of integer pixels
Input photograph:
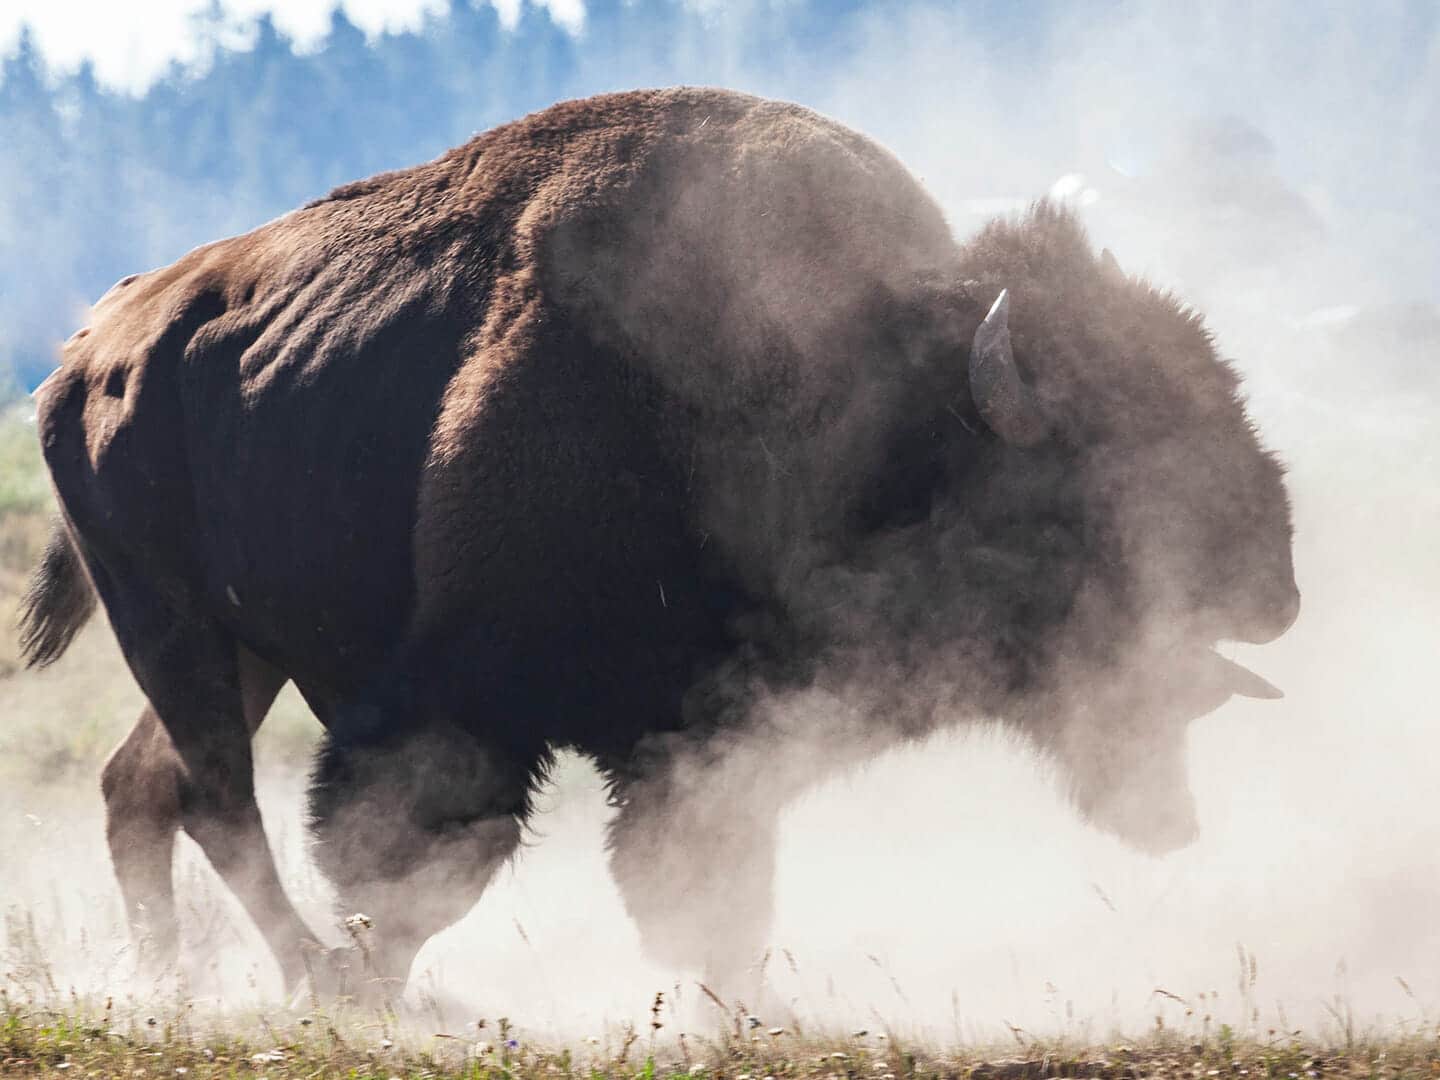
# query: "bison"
{"type": "Point", "coordinates": [607, 430]}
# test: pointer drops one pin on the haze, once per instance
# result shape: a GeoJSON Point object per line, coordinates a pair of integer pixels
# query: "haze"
{"type": "Point", "coordinates": [1278, 170]}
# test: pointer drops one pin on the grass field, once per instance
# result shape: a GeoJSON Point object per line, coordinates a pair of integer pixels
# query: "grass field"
{"type": "Point", "coordinates": [88, 1039]}
{"type": "Point", "coordinates": [55, 729]}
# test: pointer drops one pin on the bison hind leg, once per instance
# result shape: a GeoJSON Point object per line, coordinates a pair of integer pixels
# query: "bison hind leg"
{"type": "Point", "coordinates": [411, 828]}
{"type": "Point", "coordinates": [188, 764]}
{"type": "Point", "coordinates": [141, 787]}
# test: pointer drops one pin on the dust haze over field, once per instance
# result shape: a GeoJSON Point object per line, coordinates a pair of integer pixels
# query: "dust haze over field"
{"type": "Point", "coordinates": [1275, 171]}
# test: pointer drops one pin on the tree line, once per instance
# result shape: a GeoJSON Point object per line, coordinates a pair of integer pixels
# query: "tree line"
{"type": "Point", "coordinates": [97, 183]}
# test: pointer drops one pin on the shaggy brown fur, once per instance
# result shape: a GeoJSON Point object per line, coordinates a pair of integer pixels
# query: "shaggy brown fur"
{"type": "Point", "coordinates": [599, 431]}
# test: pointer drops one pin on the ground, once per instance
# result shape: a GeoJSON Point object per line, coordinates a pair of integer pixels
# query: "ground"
{"type": "Point", "coordinates": [90, 1039]}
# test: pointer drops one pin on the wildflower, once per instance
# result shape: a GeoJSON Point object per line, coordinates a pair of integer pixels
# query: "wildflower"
{"type": "Point", "coordinates": [512, 1043]}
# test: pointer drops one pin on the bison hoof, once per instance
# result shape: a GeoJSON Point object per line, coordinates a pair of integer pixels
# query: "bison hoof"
{"type": "Point", "coordinates": [344, 976]}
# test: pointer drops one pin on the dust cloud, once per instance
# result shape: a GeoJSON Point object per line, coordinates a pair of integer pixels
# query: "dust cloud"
{"type": "Point", "coordinates": [947, 887]}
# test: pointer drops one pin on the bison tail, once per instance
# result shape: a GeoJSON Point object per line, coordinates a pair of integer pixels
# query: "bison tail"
{"type": "Point", "coordinates": [57, 603]}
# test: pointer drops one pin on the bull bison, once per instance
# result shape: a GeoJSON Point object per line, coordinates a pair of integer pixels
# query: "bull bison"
{"type": "Point", "coordinates": [607, 430]}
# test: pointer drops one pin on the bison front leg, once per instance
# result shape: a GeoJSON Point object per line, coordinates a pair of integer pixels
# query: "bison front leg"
{"type": "Point", "coordinates": [692, 851]}
{"type": "Point", "coordinates": [411, 828]}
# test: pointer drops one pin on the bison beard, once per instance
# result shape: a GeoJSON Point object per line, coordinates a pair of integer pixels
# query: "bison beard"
{"type": "Point", "coordinates": [609, 430]}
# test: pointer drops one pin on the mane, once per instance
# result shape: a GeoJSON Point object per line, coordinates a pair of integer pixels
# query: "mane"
{"type": "Point", "coordinates": [1089, 312]}
{"type": "Point", "coordinates": [1047, 238]}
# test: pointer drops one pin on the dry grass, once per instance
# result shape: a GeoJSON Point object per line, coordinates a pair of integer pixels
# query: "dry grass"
{"type": "Point", "coordinates": [52, 1034]}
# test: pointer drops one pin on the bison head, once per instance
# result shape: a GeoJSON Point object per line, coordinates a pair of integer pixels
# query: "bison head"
{"type": "Point", "coordinates": [1135, 518]}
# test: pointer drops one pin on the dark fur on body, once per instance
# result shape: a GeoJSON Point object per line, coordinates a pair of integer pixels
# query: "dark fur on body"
{"type": "Point", "coordinates": [599, 431]}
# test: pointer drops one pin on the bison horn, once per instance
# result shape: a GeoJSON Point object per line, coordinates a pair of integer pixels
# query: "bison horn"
{"type": "Point", "coordinates": [1001, 397]}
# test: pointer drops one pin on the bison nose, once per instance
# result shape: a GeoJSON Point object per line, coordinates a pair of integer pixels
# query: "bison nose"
{"type": "Point", "coordinates": [1270, 616]}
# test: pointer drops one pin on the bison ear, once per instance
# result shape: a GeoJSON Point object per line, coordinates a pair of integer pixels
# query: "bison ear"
{"type": "Point", "coordinates": [1002, 399]}
{"type": "Point", "coordinates": [1110, 266]}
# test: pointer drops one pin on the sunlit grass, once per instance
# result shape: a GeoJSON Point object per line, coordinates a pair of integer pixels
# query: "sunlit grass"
{"type": "Point", "coordinates": [50, 1033]}
{"type": "Point", "coordinates": [24, 488]}
{"type": "Point", "coordinates": [25, 507]}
